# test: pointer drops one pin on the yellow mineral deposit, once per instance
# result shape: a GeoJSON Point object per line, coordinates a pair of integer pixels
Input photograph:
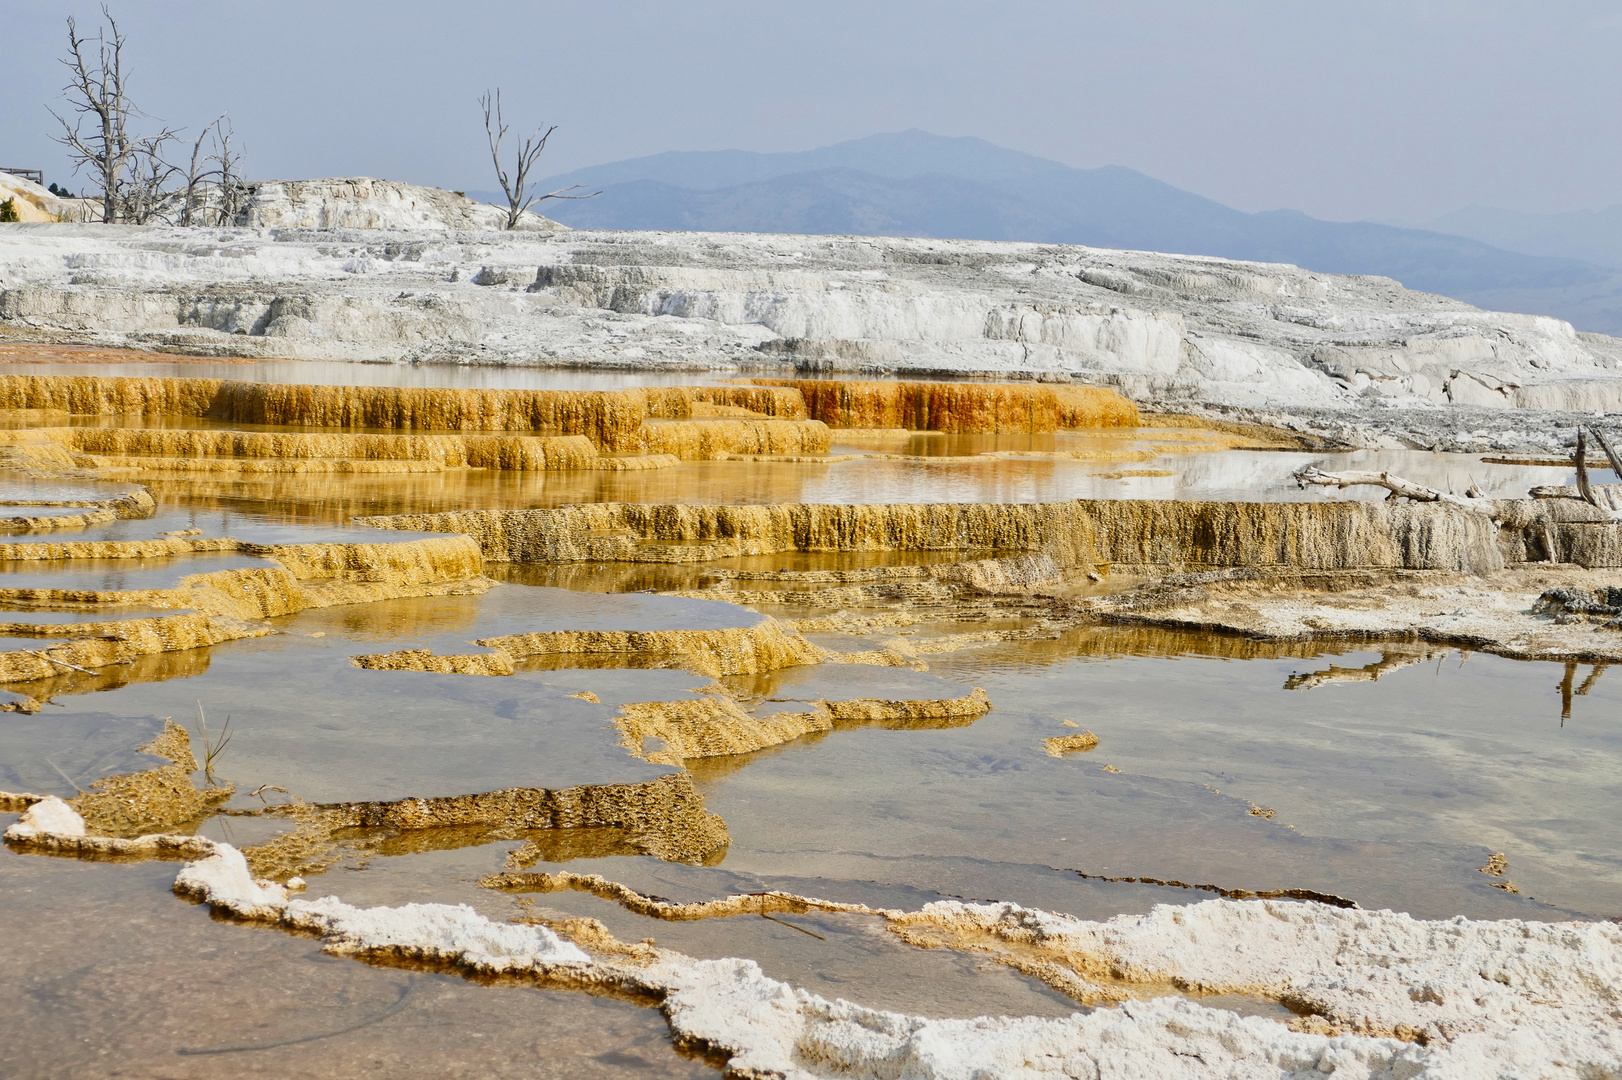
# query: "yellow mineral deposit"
{"type": "Point", "coordinates": [222, 605]}
{"type": "Point", "coordinates": [666, 815]}
{"type": "Point", "coordinates": [137, 803]}
{"type": "Point", "coordinates": [960, 408]}
{"type": "Point", "coordinates": [457, 429]}
{"type": "Point", "coordinates": [1061, 745]}
{"type": "Point", "coordinates": [1080, 535]}
{"type": "Point", "coordinates": [738, 650]}
{"type": "Point", "coordinates": [95, 645]}
{"type": "Point", "coordinates": [709, 727]}
{"type": "Point", "coordinates": [492, 663]}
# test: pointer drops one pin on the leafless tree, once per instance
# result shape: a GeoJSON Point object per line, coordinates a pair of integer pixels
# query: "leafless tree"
{"type": "Point", "coordinates": [97, 91]}
{"type": "Point", "coordinates": [197, 175]}
{"type": "Point", "coordinates": [138, 183]}
{"type": "Point", "coordinates": [516, 186]}
{"type": "Point", "coordinates": [228, 172]}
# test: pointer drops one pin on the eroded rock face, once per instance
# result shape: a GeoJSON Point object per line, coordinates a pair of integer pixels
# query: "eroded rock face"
{"type": "Point", "coordinates": [325, 283]}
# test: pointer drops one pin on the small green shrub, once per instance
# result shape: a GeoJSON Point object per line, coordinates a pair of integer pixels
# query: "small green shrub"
{"type": "Point", "coordinates": [8, 210]}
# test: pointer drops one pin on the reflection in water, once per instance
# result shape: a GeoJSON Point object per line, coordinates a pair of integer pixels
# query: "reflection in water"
{"type": "Point", "coordinates": [1582, 691]}
{"type": "Point", "coordinates": [1391, 659]}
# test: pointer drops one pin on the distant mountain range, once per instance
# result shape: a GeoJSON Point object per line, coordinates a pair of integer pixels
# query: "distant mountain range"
{"type": "Point", "coordinates": [1594, 235]}
{"type": "Point", "coordinates": [917, 184]}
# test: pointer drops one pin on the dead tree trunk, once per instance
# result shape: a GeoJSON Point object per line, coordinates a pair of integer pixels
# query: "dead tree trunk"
{"type": "Point", "coordinates": [515, 185]}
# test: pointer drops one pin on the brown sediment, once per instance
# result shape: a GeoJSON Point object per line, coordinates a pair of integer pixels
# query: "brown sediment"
{"type": "Point", "coordinates": [709, 727]}
{"type": "Point", "coordinates": [664, 817]}
{"type": "Point", "coordinates": [302, 576]}
{"type": "Point", "coordinates": [137, 503]}
{"type": "Point", "coordinates": [970, 639]}
{"type": "Point", "coordinates": [759, 420]}
{"type": "Point", "coordinates": [150, 667]}
{"type": "Point", "coordinates": [1060, 745]}
{"type": "Point", "coordinates": [739, 650]}
{"type": "Point", "coordinates": [495, 663]}
{"type": "Point", "coordinates": [415, 562]}
{"type": "Point", "coordinates": [118, 643]}
{"type": "Point", "coordinates": [223, 605]}
{"type": "Point", "coordinates": [635, 462]}
{"type": "Point", "coordinates": [959, 407]}
{"type": "Point", "coordinates": [962, 710]}
{"type": "Point", "coordinates": [114, 549]}
{"type": "Point", "coordinates": [778, 402]}
{"type": "Point", "coordinates": [135, 803]}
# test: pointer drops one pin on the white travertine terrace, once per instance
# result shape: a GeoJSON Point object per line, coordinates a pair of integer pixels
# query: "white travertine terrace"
{"type": "Point", "coordinates": [1474, 999]}
{"type": "Point", "coordinates": [1159, 327]}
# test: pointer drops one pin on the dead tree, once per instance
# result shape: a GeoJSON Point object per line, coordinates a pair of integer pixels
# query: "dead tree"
{"type": "Point", "coordinates": [97, 91]}
{"type": "Point", "coordinates": [197, 175]}
{"type": "Point", "coordinates": [228, 172]}
{"type": "Point", "coordinates": [516, 186]}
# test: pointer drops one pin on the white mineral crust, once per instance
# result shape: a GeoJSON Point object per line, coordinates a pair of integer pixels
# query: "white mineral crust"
{"type": "Point", "coordinates": [448, 288]}
{"type": "Point", "coordinates": [49, 815]}
{"type": "Point", "coordinates": [1489, 999]}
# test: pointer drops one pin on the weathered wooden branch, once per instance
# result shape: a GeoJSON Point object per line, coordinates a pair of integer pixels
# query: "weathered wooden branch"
{"type": "Point", "coordinates": [1585, 489]}
{"type": "Point", "coordinates": [51, 659]}
{"type": "Point", "coordinates": [1399, 488]}
{"type": "Point", "coordinates": [1610, 455]}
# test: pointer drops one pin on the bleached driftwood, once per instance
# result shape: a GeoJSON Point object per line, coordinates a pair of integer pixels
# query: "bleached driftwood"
{"type": "Point", "coordinates": [1399, 488]}
{"type": "Point", "coordinates": [1585, 489]}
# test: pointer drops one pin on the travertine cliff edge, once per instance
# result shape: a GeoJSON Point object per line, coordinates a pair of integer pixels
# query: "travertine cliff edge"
{"type": "Point", "coordinates": [1161, 328]}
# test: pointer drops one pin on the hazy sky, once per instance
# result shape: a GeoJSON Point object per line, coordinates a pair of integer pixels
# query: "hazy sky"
{"type": "Point", "coordinates": [1384, 110]}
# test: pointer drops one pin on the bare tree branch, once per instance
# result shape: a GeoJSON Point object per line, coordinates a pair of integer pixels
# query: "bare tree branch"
{"type": "Point", "coordinates": [146, 197]}
{"type": "Point", "coordinates": [228, 170]}
{"type": "Point", "coordinates": [516, 186]}
{"type": "Point", "coordinates": [196, 177]}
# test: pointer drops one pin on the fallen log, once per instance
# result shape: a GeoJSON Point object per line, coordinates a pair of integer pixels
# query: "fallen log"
{"type": "Point", "coordinates": [1399, 488]}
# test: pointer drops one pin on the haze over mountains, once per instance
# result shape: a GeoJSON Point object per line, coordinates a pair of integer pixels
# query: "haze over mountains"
{"type": "Point", "coordinates": [916, 184]}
